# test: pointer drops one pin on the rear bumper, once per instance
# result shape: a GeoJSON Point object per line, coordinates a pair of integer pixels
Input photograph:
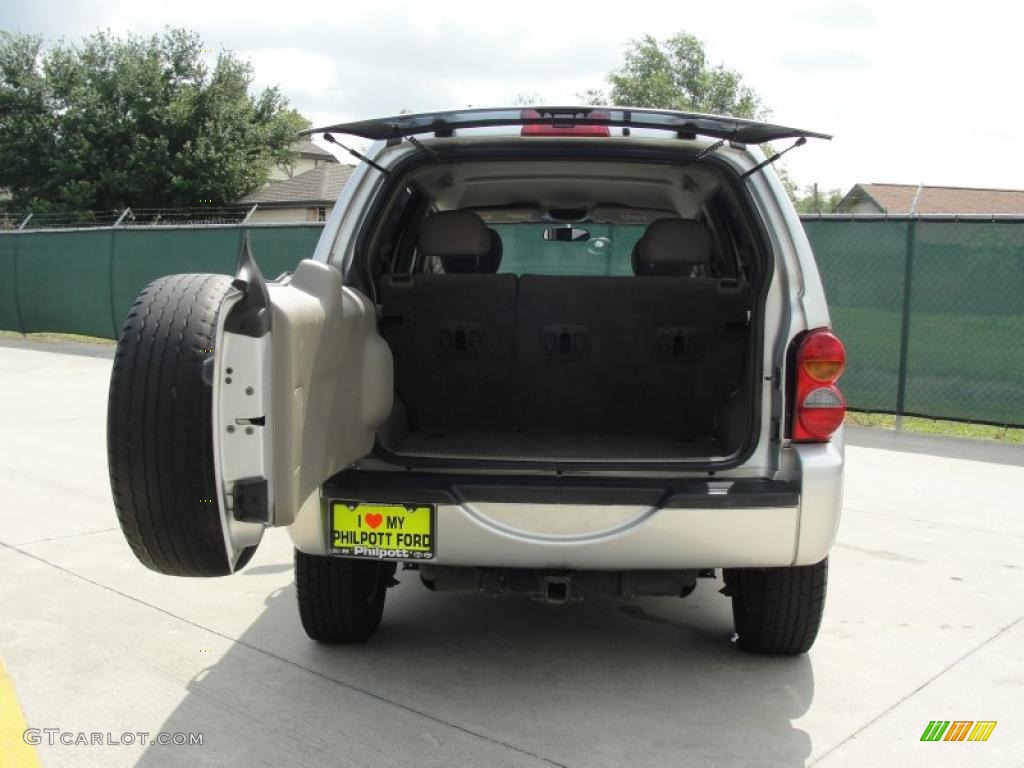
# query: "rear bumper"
{"type": "Point", "coordinates": [596, 524]}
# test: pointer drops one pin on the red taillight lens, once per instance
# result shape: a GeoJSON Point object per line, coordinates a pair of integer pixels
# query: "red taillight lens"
{"type": "Point", "coordinates": [818, 405]}
{"type": "Point", "coordinates": [822, 356]}
{"type": "Point", "coordinates": [565, 126]}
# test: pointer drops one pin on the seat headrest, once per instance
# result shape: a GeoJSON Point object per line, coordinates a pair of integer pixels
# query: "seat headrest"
{"type": "Point", "coordinates": [672, 247]}
{"type": "Point", "coordinates": [454, 233]}
{"type": "Point", "coordinates": [476, 265]}
{"type": "Point", "coordinates": [462, 241]}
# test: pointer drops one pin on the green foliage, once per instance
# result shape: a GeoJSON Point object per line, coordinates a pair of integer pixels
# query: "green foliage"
{"type": "Point", "coordinates": [812, 200]}
{"type": "Point", "coordinates": [134, 121]}
{"type": "Point", "coordinates": [937, 426]}
{"type": "Point", "coordinates": [675, 74]}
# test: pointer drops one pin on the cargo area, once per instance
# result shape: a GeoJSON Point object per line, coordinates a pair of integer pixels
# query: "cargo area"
{"type": "Point", "coordinates": [566, 367]}
{"type": "Point", "coordinates": [574, 328]}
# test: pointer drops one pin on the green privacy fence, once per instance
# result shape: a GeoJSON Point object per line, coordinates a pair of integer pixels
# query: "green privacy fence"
{"type": "Point", "coordinates": [84, 281]}
{"type": "Point", "coordinates": [931, 309]}
{"type": "Point", "coordinates": [606, 251]}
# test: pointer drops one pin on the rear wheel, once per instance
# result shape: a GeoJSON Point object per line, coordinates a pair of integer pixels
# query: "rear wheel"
{"type": "Point", "coordinates": [341, 600]}
{"type": "Point", "coordinates": [777, 610]}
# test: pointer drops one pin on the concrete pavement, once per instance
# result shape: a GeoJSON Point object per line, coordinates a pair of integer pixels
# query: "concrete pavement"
{"type": "Point", "coordinates": [923, 623]}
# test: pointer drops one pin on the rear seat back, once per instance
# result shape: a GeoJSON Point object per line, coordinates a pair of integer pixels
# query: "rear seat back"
{"type": "Point", "coordinates": [714, 340]}
{"type": "Point", "coordinates": [647, 354]}
{"type": "Point", "coordinates": [453, 335]}
{"type": "Point", "coordinates": [627, 355]}
{"type": "Point", "coordinates": [578, 353]}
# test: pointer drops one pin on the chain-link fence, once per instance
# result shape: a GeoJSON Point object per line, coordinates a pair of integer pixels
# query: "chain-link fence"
{"type": "Point", "coordinates": [85, 280]}
{"type": "Point", "coordinates": [126, 217]}
{"type": "Point", "coordinates": [931, 310]}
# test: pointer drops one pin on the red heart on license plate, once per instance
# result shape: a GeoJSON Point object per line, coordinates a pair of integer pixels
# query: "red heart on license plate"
{"type": "Point", "coordinates": [373, 519]}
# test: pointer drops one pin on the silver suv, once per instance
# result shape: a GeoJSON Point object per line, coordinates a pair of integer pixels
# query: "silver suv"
{"type": "Point", "coordinates": [557, 352]}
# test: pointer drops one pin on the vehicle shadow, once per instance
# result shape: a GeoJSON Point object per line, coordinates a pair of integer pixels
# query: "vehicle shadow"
{"type": "Point", "coordinates": [467, 679]}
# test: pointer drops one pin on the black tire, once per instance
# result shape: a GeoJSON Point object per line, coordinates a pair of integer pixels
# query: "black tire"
{"type": "Point", "coordinates": [341, 600]}
{"type": "Point", "coordinates": [159, 438]}
{"type": "Point", "coordinates": [777, 610]}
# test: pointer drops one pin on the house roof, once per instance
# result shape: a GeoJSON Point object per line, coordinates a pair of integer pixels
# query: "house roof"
{"type": "Point", "coordinates": [899, 198]}
{"type": "Point", "coordinates": [320, 186]}
{"type": "Point", "coordinates": [306, 148]}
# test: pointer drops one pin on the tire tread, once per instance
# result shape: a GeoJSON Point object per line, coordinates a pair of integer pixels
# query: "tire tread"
{"type": "Point", "coordinates": [340, 600]}
{"type": "Point", "coordinates": [778, 611]}
{"type": "Point", "coordinates": [159, 427]}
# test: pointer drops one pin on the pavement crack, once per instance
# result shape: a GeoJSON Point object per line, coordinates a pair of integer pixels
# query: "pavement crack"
{"type": "Point", "coordinates": [61, 538]}
{"type": "Point", "coordinates": [934, 523]}
{"type": "Point", "coordinates": [998, 633]}
{"type": "Point", "coordinates": [289, 662]}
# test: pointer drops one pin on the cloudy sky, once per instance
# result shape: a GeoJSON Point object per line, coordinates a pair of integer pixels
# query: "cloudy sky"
{"type": "Point", "coordinates": [914, 92]}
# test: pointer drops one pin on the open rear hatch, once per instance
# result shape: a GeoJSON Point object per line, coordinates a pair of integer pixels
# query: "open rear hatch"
{"type": "Point", "coordinates": [683, 123]}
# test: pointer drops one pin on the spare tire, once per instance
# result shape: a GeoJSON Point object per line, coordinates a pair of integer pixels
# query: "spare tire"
{"type": "Point", "coordinates": [159, 436]}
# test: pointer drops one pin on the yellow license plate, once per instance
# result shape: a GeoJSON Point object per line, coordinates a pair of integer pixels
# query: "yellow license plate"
{"type": "Point", "coordinates": [382, 531]}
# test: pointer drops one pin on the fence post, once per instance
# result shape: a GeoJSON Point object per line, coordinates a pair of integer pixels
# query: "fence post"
{"type": "Point", "coordinates": [14, 274]}
{"type": "Point", "coordinates": [114, 324]}
{"type": "Point", "coordinates": [908, 275]}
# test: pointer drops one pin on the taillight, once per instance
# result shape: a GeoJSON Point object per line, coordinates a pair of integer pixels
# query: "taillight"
{"type": "Point", "coordinates": [563, 125]}
{"type": "Point", "coordinates": [818, 405]}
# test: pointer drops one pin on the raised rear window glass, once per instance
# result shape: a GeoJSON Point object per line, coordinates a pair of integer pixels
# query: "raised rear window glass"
{"type": "Point", "coordinates": [606, 251]}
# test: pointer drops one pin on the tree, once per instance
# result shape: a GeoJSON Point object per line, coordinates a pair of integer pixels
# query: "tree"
{"type": "Point", "coordinates": [675, 74]}
{"type": "Point", "coordinates": [131, 121]}
{"type": "Point", "coordinates": [813, 200]}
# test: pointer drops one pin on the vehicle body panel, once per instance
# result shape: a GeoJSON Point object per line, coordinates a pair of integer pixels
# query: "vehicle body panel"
{"type": "Point", "coordinates": [472, 532]}
{"type": "Point", "coordinates": [586, 536]}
